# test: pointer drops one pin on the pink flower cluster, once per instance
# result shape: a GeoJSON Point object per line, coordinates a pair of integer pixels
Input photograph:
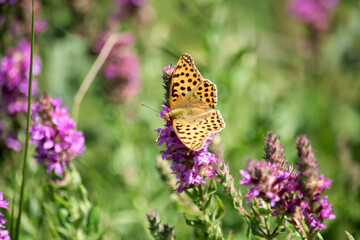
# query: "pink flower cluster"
{"type": "Point", "coordinates": [54, 134]}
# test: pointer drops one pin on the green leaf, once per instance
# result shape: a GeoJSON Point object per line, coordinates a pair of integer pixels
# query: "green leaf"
{"type": "Point", "coordinates": [52, 221]}
{"type": "Point", "coordinates": [248, 232]}
{"type": "Point", "coordinates": [220, 208]}
{"type": "Point", "coordinates": [195, 223]}
{"type": "Point", "coordinates": [262, 211]}
{"type": "Point", "coordinates": [230, 236]}
{"type": "Point", "coordinates": [207, 203]}
{"type": "Point", "coordinates": [350, 237]}
{"type": "Point", "coordinates": [93, 220]}
{"type": "Point", "coordinates": [212, 187]}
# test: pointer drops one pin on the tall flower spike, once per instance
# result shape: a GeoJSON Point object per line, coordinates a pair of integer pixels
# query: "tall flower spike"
{"type": "Point", "coordinates": [314, 208]}
{"type": "Point", "coordinates": [54, 134]}
{"type": "Point", "coordinates": [274, 152]}
{"type": "Point", "coordinates": [307, 164]}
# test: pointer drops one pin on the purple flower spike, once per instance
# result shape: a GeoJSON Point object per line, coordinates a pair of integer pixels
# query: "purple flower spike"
{"type": "Point", "coordinates": [54, 134]}
{"type": "Point", "coordinates": [14, 78]}
{"type": "Point", "coordinates": [312, 186]}
{"type": "Point", "coordinates": [317, 13]}
{"type": "Point", "coordinates": [286, 188]}
{"type": "Point", "coordinates": [190, 167]}
{"type": "Point", "coordinates": [274, 152]}
{"type": "Point", "coordinates": [4, 234]}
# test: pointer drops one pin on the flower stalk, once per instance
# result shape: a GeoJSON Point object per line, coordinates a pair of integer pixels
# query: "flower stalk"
{"type": "Point", "coordinates": [23, 183]}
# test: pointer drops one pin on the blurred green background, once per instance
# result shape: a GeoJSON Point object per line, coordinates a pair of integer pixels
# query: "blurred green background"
{"type": "Point", "coordinates": [271, 74]}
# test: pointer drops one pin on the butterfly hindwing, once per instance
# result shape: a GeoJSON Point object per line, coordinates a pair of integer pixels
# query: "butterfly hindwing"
{"type": "Point", "coordinates": [194, 130]}
{"type": "Point", "coordinates": [192, 136]}
{"type": "Point", "coordinates": [185, 79]}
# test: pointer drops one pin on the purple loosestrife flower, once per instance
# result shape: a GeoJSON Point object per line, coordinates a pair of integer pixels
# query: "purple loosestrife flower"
{"type": "Point", "coordinates": [286, 189]}
{"type": "Point", "coordinates": [4, 234]}
{"type": "Point", "coordinates": [121, 68]}
{"type": "Point", "coordinates": [54, 134]}
{"type": "Point", "coordinates": [14, 78]}
{"type": "Point", "coordinates": [317, 13]}
{"type": "Point", "coordinates": [190, 167]}
{"type": "Point", "coordinates": [314, 208]}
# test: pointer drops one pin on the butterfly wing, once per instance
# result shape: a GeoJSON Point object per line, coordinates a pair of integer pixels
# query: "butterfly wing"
{"type": "Point", "coordinates": [193, 131]}
{"type": "Point", "coordinates": [184, 81]}
{"type": "Point", "coordinates": [189, 89]}
{"type": "Point", "coordinates": [203, 97]}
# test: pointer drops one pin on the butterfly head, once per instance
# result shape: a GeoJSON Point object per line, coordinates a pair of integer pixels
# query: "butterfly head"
{"type": "Point", "coordinates": [168, 117]}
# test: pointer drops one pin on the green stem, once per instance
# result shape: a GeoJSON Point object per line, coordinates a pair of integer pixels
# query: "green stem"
{"type": "Point", "coordinates": [201, 196]}
{"type": "Point", "coordinates": [11, 224]}
{"type": "Point", "coordinates": [18, 223]}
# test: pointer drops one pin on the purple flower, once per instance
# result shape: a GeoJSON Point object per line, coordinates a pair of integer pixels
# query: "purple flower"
{"type": "Point", "coordinates": [317, 13]}
{"type": "Point", "coordinates": [4, 234]}
{"type": "Point", "coordinates": [11, 2]}
{"type": "Point", "coordinates": [190, 167]}
{"type": "Point", "coordinates": [126, 8]}
{"type": "Point", "coordinates": [14, 78]}
{"type": "Point", "coordinates": [13, 142]}
{"type": "Point", "coordinates": [286, 188]}
{"type": "Point", "coordinates": [121, 68]}
{"type": "Point", "coordinates": [268, 181]}
{"type": "Point", "coordinates": [54, 134]}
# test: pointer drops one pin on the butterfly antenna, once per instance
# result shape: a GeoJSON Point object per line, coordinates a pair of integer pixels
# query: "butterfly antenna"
{"type": "Point", "coordinates": [149, 108]}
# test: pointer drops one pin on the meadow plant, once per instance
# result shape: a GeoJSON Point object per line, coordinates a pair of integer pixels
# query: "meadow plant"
{"type": "Point", "coordinates": [57, 144]}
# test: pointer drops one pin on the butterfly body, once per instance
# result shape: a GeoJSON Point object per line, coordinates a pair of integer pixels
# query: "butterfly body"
{"type": "Point", "coordinates": [192, 100]}
{"type": "Point", "coordinates": [182, 113]}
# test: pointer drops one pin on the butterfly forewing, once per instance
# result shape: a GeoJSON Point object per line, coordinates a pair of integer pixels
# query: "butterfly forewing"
{"type": "Point", "coordinates": [204, 97]}
{"type": "Point", "coordinates": [185, 80]}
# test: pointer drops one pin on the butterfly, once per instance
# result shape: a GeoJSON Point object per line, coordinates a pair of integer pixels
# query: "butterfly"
{"type": "Point", "coordinates": [192, 100]}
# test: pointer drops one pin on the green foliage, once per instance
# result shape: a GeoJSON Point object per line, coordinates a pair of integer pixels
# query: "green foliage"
{"type": "Point", "coordinates": [69, 212]}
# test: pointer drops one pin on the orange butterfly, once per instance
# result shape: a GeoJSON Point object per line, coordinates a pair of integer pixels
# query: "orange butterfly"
{"type": "Point", "coordinates": [192, 100]}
